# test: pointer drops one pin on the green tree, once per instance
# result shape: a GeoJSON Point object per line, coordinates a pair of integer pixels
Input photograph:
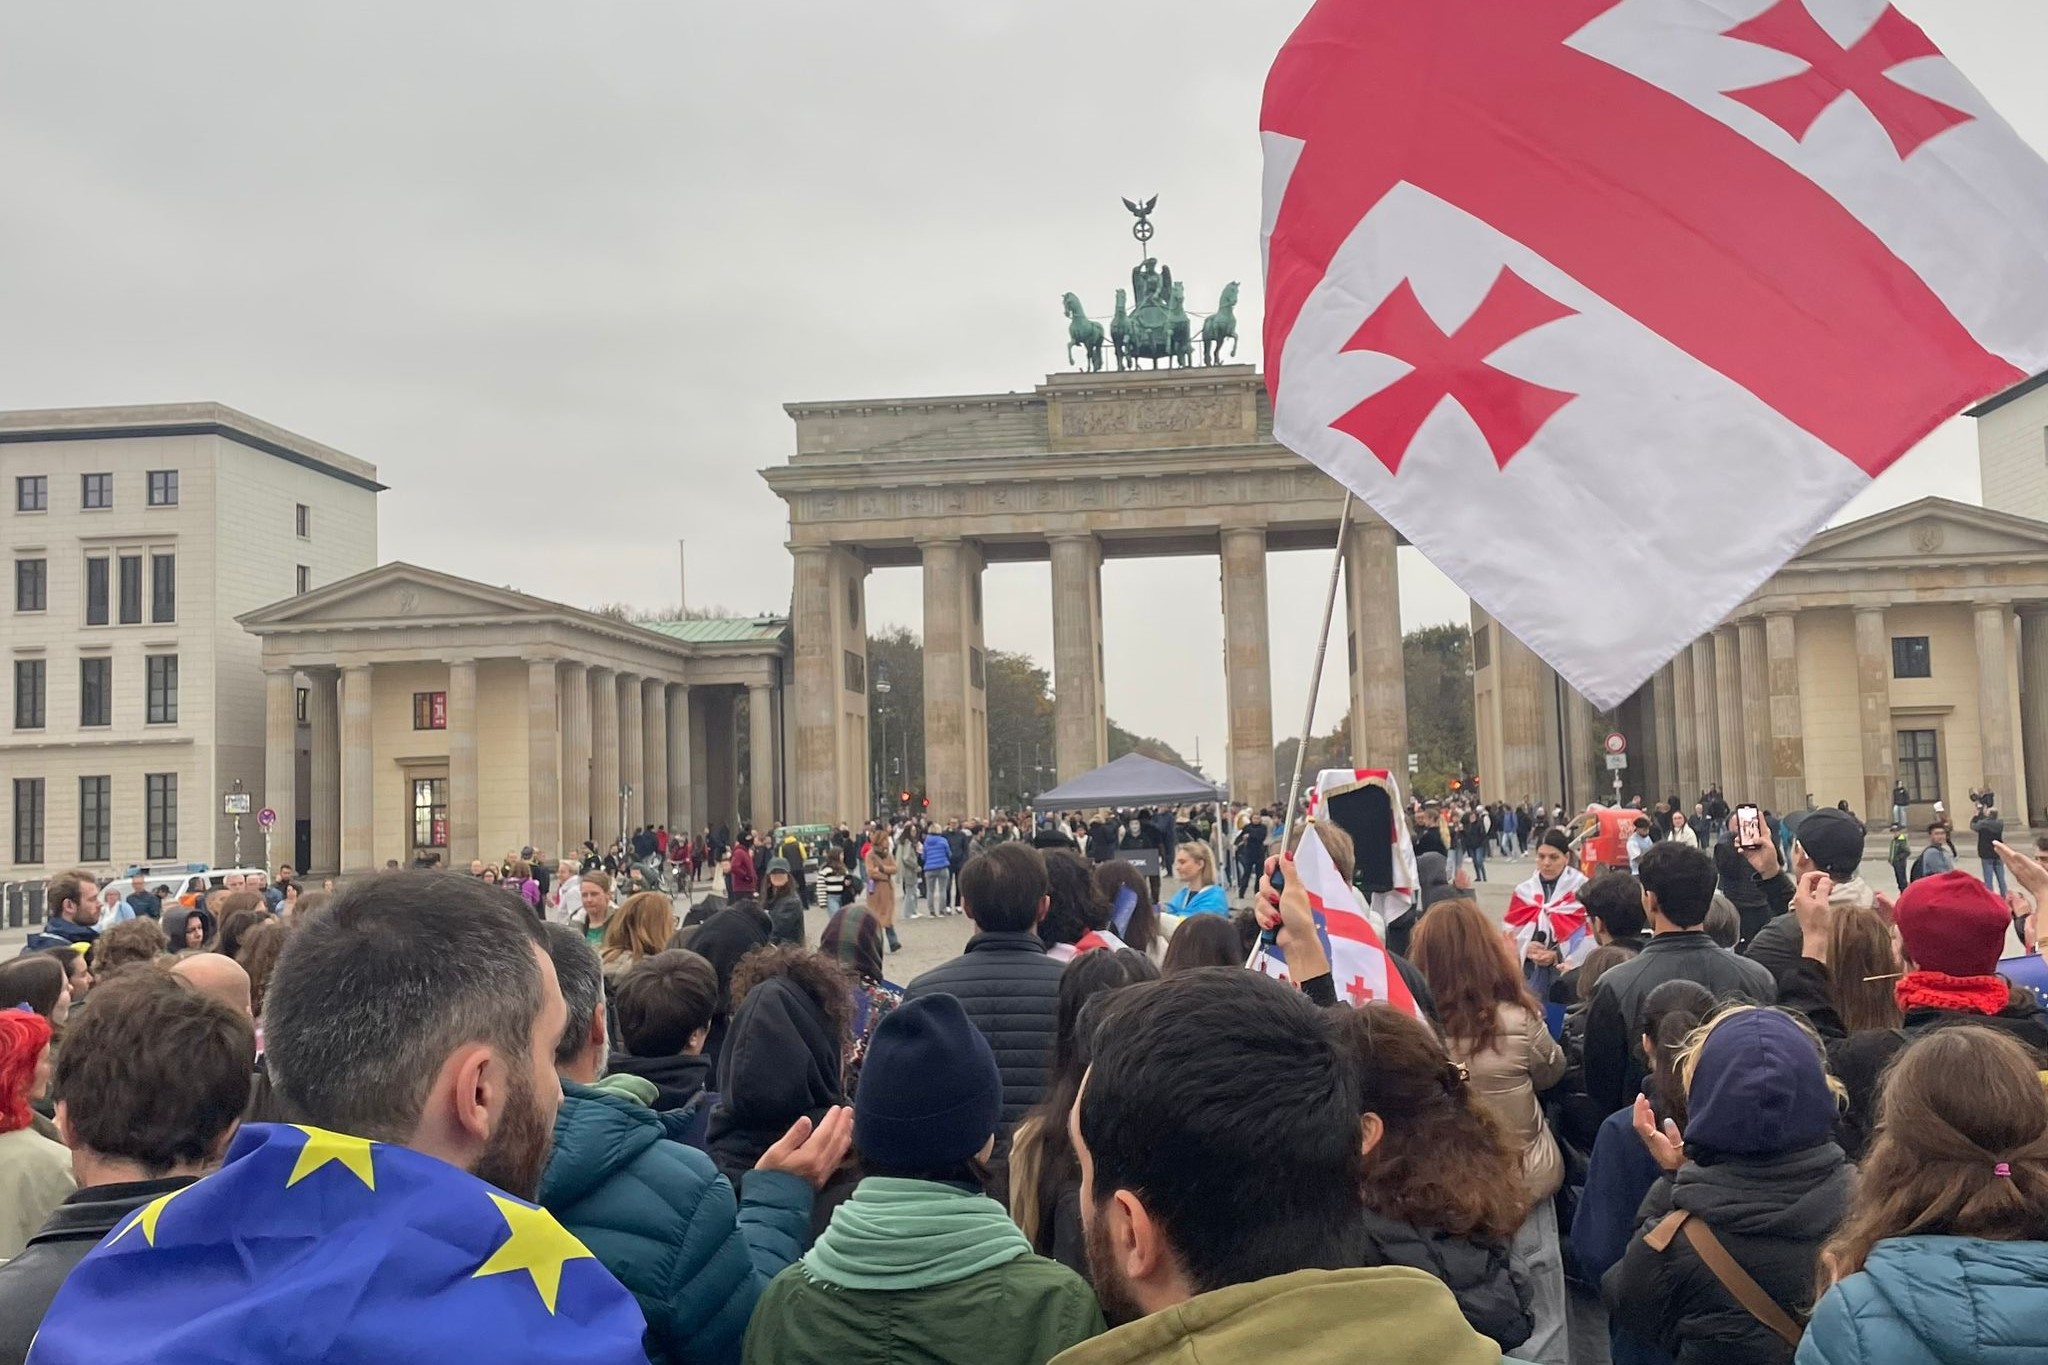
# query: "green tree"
{"type": "Point", "coordinates": [896, 717]}
{"type": "Point", "coordinates": [1436, 662]}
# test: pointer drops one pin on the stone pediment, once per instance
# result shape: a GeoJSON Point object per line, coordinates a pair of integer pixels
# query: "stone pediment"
{"type": "Point", "coordinates": [1930, 529]}
{"type": "Point", "coordinates": [397, 593]}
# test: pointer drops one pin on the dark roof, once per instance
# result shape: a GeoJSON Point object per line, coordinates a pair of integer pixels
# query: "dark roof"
{"type": "Point", "coordinates": [2013, 394]}
{"type": "Point", "coordinates": [1133, 780]}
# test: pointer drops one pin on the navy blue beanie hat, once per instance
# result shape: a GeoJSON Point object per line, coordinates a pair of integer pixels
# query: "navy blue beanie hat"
{"type": "Point", "coordinates": [930, 1096]}
{"type": "Point", "coordinates": [1759, 1088]}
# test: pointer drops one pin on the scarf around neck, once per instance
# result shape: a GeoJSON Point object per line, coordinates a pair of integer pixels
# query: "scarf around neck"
{"type": "Point", "coordinates": [1987, 995]}
{"type": "Point", "coordinates": [912, 1234]}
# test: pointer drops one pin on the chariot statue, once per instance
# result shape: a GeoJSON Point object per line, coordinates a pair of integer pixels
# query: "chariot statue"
{"type": "Point", "coordinates": [1151, 322]}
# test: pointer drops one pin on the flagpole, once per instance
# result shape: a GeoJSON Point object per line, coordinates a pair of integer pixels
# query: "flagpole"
{"type": "Point", "coordinates": [1315, 677]}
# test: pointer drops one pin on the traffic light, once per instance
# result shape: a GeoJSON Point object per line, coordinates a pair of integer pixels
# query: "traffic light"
{"type": "Point", "coordinates": [903, 798]}
{"type": "Point", "coordinates": [1456, 785]}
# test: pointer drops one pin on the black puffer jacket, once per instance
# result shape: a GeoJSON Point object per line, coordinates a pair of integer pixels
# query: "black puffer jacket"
{"type": "Point", "coordinates": [1771, 1213]}
{"type": "Point", "coordinates": [1493, 1298]}
{"type": "Point", "coordinates": [1861, 1059]}
{"type": "Point", "coordinates": [1011, 990]}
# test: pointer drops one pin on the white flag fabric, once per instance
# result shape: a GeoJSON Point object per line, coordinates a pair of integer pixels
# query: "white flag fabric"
{"type": "Point", "coordinates": [1588, 293]}
{"type": "Point", "coordinates": [1359, 967]}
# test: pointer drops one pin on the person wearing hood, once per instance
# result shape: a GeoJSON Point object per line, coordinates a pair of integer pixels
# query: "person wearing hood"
{"type": "Point", "coordinates": [785, 906]}
{"type": "Point", "coordinates": [1755, 1178]}
{"type": "Point", "coordinates": [784, 1062]}
{"type": "Point", "coordinates": [1943, 1259]}
{"type": "Point", "coordinates": [723, 940]}
{"type": "Point", "coordinates": [655, 1212]}
{"type": "Point", "coordinates": [661, 1011]}
{"type": "Point", "coordinates": [920, 1264]}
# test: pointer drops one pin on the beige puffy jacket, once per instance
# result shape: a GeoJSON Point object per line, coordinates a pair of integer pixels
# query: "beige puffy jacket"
{"type": "Point", "coordinates": [1522, 1060]}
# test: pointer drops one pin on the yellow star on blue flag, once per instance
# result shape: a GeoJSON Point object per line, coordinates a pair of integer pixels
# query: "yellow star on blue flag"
{"type": "Point", "coordinates": [538, 1245]}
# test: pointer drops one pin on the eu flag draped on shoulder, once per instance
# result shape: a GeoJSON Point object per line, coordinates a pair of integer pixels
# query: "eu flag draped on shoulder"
{"type": "Point", "coordinates": [316, 1246]}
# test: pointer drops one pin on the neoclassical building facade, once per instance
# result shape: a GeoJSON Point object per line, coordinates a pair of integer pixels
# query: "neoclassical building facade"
{"type": "Point", "coordinates": [1910, 647]}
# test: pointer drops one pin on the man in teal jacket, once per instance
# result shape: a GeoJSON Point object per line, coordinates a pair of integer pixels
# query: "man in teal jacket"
{"type": "Point", "coordinates": [656, 1212]}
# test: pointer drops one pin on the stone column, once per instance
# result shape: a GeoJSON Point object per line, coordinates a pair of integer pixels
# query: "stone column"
{"type": "Point", "coordinates": [358, 759]}
{"type": "Point", "coordinates": [1685, 717]}
{"type": "Point", "coordinates": [721, 756]}
{"type": "Point", "coordinates": [576, 778]}
{"type": "Point", "coordinates": [1756, 713]}
{"type": "Point", "coordinates": [1248, 671]}
{"type": "Point", "coordinates": [632, 756]}
{"type": "Point", "coordinates": [604, 756]}
{"type": "Point", "coordinates": [945, 679]}
{"type": "Point", "coordinates": [1994, 707]}
{"type": "Point", "coordinates": [1707, 712]}
{"type": "Point", "coordinates": [1788, 721]}
{"type": "Point", "coordinates": [761, 755]}
{"type": "Point", "coordinates": [1728, 709]}
{"type": "Point", "coordinates": [1524, 698]}
{"type": "Point", "coordinates": [1379, 685]}
{"type": "Point", "coordinates": [817, 688]}
{"type": "Point", "coordinates": [1664, 751]}
{"type": "Point", "coordinates": [463, 816]}
{"type": "Point", "coordinates": [1588, 781]}
{"type": "Point", "coordinates": [682, 815]}
{"type": "Point", "coordinates": [281, 762]}
{"type": "Point", "coordinates": [701, 808]}
{"type": "Point", "coordinates": [654, 752]}
{"type": "Point", "coordinates": [2034, 712]}
{"type": "Point", "coordinates": [543, 759]}
{"type": "Point", "coordinates": [323, 711]}
{"type": "Point", "coordinates": [1078, 712]}
{"type": "Point", "coordinates": [1874, 714]}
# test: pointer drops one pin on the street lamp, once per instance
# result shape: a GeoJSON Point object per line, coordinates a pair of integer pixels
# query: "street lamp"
{"type": "Point", "coordinates": [881, 714]}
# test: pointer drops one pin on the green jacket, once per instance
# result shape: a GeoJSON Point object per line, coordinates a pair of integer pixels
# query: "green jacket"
{"type": "Point", "coordinates": [909, 1271]}
{"type": "Point", "coordinates": [1390, 1315]}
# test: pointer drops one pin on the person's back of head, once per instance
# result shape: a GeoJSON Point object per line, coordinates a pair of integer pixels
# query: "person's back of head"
{"type": "Point", "coordinates": [1219, 1141]}
{"type": "Point", "coordinates": [238, 912]}
{"type": "Point", "coordinates": [1863, 969]}
{"type": "Point", "coordinates": [1471, 972]}
{"type": "Point", "coordinates": [1665, 1021]}
{"type": "Point", "coordinates": [261, 947]}
{"type": "Point", "coordinates": [220, 977]}
{"type": "Point", "coordinates": [1678, 884]}
{"type": "Point", "coordinates": [1952, 924]}
{"type": "Point", "coordinates": [1202, 941]}
{"type": "Point", "coordinates": [1005, 890]}
{"type": "Point", "coordinates": [153, 1078]}
{"type": "Point", "coordinates": [1756, 1085]}
{"type": "Point", "coordinates": [664, 1005]}
{"type": "Point", "coordinates": [930, 1095]}
{"type": "Point", "coordinates": [138, 941]}
{"type": "Point", "coordinates": [579, 973]}
{"type": "Point", "coordinates": [1074, 906]}
{"type": "Point", "coordinates": [1616, 900]}
{"type": "Point", "coordinates": [1598, 963]}
{"type": "Point", "coordinates": [1723, 923]}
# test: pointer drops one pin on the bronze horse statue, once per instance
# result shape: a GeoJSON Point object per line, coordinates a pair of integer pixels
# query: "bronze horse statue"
{"type": "Point", "coordinates": [1084, 332]}
{"type": "Point", "coordinates": [1219, 326]}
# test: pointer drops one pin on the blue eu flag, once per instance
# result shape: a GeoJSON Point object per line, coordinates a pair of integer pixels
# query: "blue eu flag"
{"type": "Point", "coordinates": [316, 1246]}
{"type": "Point", "coordinates": [2029, 972]}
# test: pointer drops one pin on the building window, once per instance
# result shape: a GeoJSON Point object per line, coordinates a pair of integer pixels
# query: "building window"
{"type": "Point", "coordinates": [160, 800]}
{"type": "Point", "coordinates": [163, 689]}
{"type": "Point", "coordinates": [1482, 647]}
{"type": "Point", "coordinates": [1920, 765]}
{"type": "Point", "coordinates": [430, 812]}
{"type": "Point", "coordinates": [98, 494]}
{"type": "Point", "coordinates": [303, 518]}
{"type": "Point", "coordinates": [95, 819]}
{"type": "Point", "coordinates": [32, 494]}
{"type": "Point", "coordinates": [1911, 658]}
{"type": "Point", "coordinates": [96, 591]}
{"type": "Point", "coordinates": [977, 669]}
{"type": "Point", "coordinates": [163, 488]}
{"type": "Point", "coordinates": [131, 590]}
{"type": "Point", "coordinates": [31, 584]}
{"type": "Point", "coordinates": [95, 691]}
{"type": "Point", "coordinates": [856, 673]}
{"type": "Point", "coordinates": [163, 588]}
{"type": "Point", "coordinates": [305, 580]}
{"type": "Point", "coordinates": [30, 680]}
{"type": "Point", "coordinates": [430, 710]}
{"type": "Point", "coordinates": [28, 820]}
{"type": "Point", "coordinates": [304, 703]}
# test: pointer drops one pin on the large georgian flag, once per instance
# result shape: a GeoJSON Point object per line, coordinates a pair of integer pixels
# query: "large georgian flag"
{"type": "Point", "coordinates": [1608, 305]}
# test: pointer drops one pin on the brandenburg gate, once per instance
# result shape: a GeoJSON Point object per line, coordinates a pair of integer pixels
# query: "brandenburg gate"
{"type": "Point", "coordinates": [1085, 467]}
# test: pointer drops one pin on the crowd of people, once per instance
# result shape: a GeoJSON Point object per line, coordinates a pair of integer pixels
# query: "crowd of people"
{"type": "Point", "coordinates": [1734, 1106]}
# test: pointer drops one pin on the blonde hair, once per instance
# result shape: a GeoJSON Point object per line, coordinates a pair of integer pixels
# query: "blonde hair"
{"type": "Point", "coordinates": [1204, 855]}
{"type": "Point", "coordinates": [1689, 1055]}
{"type": "Point", "coordinates": [642, 928]}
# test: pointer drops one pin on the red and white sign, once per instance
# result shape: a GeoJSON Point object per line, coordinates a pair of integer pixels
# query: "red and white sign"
{"type": "Point", "coordinates": [1615, 743]}
{"type": "Point", "coordinates": [1638, 290]}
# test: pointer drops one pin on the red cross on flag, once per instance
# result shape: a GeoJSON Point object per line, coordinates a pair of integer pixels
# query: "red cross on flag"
{"type": "Point", "coordinates": [1577, 292]}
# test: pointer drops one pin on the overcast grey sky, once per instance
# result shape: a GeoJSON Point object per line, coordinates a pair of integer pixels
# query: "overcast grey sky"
{"type": "Point", "coordinates": [555, 268]}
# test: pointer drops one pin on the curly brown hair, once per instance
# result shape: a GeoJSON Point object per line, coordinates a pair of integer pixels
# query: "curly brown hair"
{"type": "Point", "coordinates": [132, 941]}
{"type": "Point", "coordinates": [1470, 972]}
{"type": "Point", "coordinates": [1442, 1160]}
{"type": "Point", "coordinates": [816, 975]}
{"type": "Point", "coordinates": [260, 949]}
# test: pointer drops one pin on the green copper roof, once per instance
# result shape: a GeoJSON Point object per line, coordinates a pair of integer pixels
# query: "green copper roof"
{"type": "Point", "coordinates": [723, 630]}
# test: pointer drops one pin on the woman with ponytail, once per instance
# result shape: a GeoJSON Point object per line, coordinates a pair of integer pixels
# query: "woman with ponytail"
{"type": "Point", "coordinates": [1943, 1257]}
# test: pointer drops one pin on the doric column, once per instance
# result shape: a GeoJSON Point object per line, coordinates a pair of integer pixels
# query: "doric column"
{"type": "Point", "coordinates": [323, 712]}
{"type": "Point", "coordinates": [358, 789]}
{"type": "Point", "coordinates": [463, 816]}
{"type": "Point", "coordinates": [1247, 665]}
{"type": "Point", "coordinates": [1588, 782]}
{"type": "Point", "coordinates": [1080, 741]}
{"type": "Point", "coordinates": [1874, 713]}
{"type": "Point", "coordinates": [817, 688]}
{"type": "Point", "coordinates": [1685, 717]}
{"type": "Point", "coordinates": [576, 777]}
{"type": "Point", "coordinates": [1756, 712]}
{"type": "Point", "coordinates": [632, 753]}
{"type": "Point", "coordinates": [1728, 709]}
{"type": "Point", "coordinates": [604, 756]}
{"type": "Point", "coordinates": [1994, 703]}
{"type": "Point", "coordinates": [1664, 750]}
{"type": "Point", "coordinates": [1379, 685]}
{"type": "Point", "coordinates": [281, 761]}
{"type": "Point", "coordinates": [1707, 712]}
{"type": "Point", "coordinates": [682, 815]}
{"type": "Point", "coordinates": [761, 755]}
{"type": "Point", "coordinates": [544, 759]}
{"type": "Point", "coordinates": [721, 755]}
{"type": "Point", "coordinates": [654, 752]}
{"type": "Point", "coordinates": [946, 682]}
{"type": "Point", "coordinates": [2034, 711]}
{"type": "Point", "coordinates": [1524, 698]}
{"type": "Point", "coordinates": [1788, 720]}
